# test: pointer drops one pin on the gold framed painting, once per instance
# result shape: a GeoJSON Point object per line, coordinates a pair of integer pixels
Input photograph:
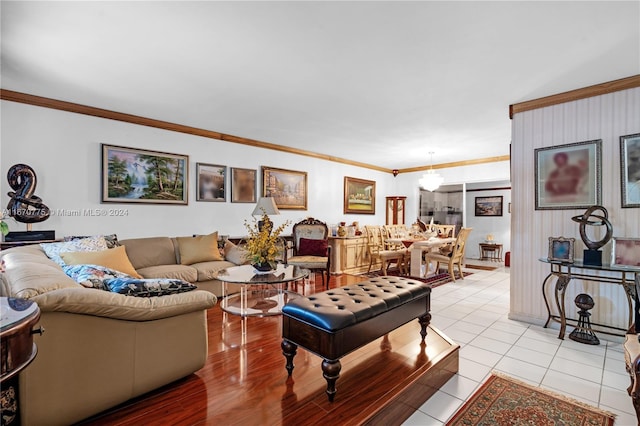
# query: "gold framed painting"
{"type": "Point", "coordinates": [287, 187]}
{"type": "Point", "coordinates": [359, 196]}
{"type": "Point", "coordinates": [132, 175]}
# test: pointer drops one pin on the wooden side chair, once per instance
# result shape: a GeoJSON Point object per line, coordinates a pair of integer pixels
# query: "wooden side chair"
{"type": "Point", "coordinates": [456, 257]}
{"type": "Point", "coordinates": [378, 252]}
{"type": "Point", "coordinates": [311, 248]}
{"type": "Point", "coordinates": [447, 231]}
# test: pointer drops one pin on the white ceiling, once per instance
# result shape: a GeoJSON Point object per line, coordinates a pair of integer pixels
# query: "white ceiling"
{"type": "Point", "coordinates": [378, 82]}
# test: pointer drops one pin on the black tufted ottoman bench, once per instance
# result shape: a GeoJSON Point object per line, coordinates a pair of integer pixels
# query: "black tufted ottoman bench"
{"type": "Point", "coordinates": [335, 322]}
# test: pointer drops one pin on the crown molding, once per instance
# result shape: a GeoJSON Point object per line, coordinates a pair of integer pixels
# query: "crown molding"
{"type": "Point", "coordinates": [574, 95]}
{"type": "Point", "coordinates": [457, 164]}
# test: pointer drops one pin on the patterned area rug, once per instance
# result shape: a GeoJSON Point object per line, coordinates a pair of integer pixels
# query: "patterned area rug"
{"type": "Point", "coordinates": [503, 400]}
{"type": "Point", "coordinates": [436, 280]}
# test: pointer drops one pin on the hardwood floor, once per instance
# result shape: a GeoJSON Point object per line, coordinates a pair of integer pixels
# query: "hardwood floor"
{"type": "Point", "coordinates": [244, 381]}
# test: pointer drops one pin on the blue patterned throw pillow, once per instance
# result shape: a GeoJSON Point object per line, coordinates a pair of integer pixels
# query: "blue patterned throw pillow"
{"type": "Point", "coordinates": [147, 287]}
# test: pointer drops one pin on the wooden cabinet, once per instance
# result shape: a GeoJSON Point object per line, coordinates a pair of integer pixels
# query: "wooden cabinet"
{"type": "Point", "coordinates": [350, 255]}
{"type": "Point", "coordinates": [395, 210]}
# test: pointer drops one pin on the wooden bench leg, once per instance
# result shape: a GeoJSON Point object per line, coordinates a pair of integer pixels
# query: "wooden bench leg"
{"type": "Point", "coordinates": [331, 372]}
{"type": "Point", "coordinates": [289, 350]}
{"type": "Point", "coordinates": [424, 322]}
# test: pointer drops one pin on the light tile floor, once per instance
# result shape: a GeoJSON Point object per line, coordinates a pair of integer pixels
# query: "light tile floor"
{"type": "Point", "coordinates": [474, 312]}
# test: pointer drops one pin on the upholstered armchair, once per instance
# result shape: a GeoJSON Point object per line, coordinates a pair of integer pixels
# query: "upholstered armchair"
{"type": "Point", "coordinates": [455, 257]}
{"type": "Point", "coordinates": [632, 362]}
{"type": "Point", "coordinates": [311, 248]}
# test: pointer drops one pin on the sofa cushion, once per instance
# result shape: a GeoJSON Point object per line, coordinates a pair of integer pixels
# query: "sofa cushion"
{"type": "Point", "coordinates": [201, 248]}
{"type": "Point", "coordinates": [149, 287]}
{"type": "Point", "coordinates": [29, 272]}
{"type": "Point", "coordinates": [209, 270]}
{"type": "Point", "coordinates": [234, 254]}
{"type": "Point", "coordinates": [53, 250]}
{"type": "Point", "coordinates": [309, 247]}
{"type": "Point", "coordinates": [115, 258]}
{"type": "Point", "coordinates": [145, 252]}
{"type": "Point", "coordinates": [175, 272]}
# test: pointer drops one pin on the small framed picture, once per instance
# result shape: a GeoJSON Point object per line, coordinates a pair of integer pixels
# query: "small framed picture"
{"type": "Point", "coordinates": [489, 206]}
{"type": "Point", "coordinates": [569, 176]}
{"type": "Point", "coordinates": [210, 182]}
{"type": "Point", "coordinates": [630, 170]}
{"type": "Point", "coordinates": [561, 249]}
{"type": "Point", "coordinates": [243, 185]}
{"type": "Point", "coordinates": [626, 252]}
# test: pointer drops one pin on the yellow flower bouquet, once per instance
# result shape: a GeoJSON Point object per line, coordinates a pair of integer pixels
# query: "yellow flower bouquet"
{"type": "Point", "coordinates": [262, 248]}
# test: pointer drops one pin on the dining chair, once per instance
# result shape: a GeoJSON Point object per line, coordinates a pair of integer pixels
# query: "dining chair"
{"type": "Point", "coordinates": [446, 231]}
{"type": "Point", "coordinates": [311, 248]}
{"type": "Point", "coordinates": [378, 252]}
{"type": "Point", "coordinates": [455, 257]}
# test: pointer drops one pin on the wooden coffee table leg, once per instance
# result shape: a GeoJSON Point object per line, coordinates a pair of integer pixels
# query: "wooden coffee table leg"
{"type": "Point", "coordinates": [424, 322]}
{"type": "Point", "coordinates": [331, 372]}
{"type": "Point", "coordinates": [289, 350]}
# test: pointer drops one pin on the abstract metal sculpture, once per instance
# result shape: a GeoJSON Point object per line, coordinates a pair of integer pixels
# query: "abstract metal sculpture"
{"type": "Point", "coordinates": [24, 205]}
{"type": "Point", "coordinates": [593, 256]}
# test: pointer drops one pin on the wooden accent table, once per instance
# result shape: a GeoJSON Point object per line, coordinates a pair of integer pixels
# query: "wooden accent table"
{"type": "Point", "coordinates": [491, 251]}
{"type": "Point", "coordinates": [17, 350]}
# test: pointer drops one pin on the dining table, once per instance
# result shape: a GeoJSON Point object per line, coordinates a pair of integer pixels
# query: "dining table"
{"type": "Point", "coordinates": [416, 247]}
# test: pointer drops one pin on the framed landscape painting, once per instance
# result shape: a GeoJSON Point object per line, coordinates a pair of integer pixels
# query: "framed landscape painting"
{"type": "Point", "coordinates": [489, 206]}
{"type": "Point", "coordinates": [243, 185]}
{"type": "Point", "coordinates": [132, 175]}
{"type": "Point", "coordinates": [210, 182]}
{"type": "Point", "coordinates": [359, 196]}
{"type": "Point", "coordinates": [568, 176]}
{"type": "Point", "coordinates": [287, 187]}
{"type": "Point", "coordinates": [630, 170]}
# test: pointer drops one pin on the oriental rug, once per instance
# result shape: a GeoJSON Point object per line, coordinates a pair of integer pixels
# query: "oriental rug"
{"type": "Point", "coordinates": [503, 400]}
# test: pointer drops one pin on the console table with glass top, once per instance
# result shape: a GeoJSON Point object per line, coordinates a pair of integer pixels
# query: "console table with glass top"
{"type": "Point", "coordinates": [627, 277]}
{"type": "Point", "coordinates": [261, 294]}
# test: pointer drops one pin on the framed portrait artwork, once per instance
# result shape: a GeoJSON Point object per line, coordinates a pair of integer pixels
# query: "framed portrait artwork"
{"type": "Point", "coordinates": [210, 182]}
{"type": "Point", "coordinates": [561, 249]}
{"type": "Point", "coordinates": [359, 196]}
{"type": "Point", "coordinates": [243, 185]}
{"type": "Point", "coordinates": [625, 252]}
{"type": "Point", "coordinates": [630, 170]}
{"type": "Point", "coordinates": [287, 187]}
{"type": "Point", "coordinates": [132, 175]}
{"type": "Point", "coordinates": [568, 176]}
{"type": "Point", "coordinates": [489, 206]}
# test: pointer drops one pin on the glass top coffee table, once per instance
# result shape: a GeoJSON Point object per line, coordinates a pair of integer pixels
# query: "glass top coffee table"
{"type": "Point", "coordinates": [261, 294]}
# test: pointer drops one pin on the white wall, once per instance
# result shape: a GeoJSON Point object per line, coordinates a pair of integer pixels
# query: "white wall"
{"type": "Point", "coordinates": [498, 226]}
{"type": "Point", "coordinates": [605, 117]}
{"type": "Point", "coordinates": [407, 183]}
{"type": "Point", "coordinates": [64, 149]}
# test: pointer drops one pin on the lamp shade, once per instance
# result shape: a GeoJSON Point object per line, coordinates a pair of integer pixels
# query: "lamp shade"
{"type": "Point", "coordinates": [431, 180]}
{"type": "Point", "coordinates": [266, 205]}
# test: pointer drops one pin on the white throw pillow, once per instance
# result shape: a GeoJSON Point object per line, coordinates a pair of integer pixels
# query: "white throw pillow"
{"type": "Point", "coordinates": [53, 250]}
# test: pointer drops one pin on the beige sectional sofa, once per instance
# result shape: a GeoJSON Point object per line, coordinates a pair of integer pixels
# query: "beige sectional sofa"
{"type": "Point", "coordinates": [101, 348]}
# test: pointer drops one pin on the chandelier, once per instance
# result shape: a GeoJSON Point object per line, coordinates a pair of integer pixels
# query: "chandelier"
{"type": "Point", "coordinates": [431, 180]}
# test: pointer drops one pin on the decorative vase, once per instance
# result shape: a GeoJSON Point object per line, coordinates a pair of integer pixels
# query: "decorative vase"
{"type": "Point", "coordinates": [342, 231]}
{"type": "Point", "coordinates": [263, 267]}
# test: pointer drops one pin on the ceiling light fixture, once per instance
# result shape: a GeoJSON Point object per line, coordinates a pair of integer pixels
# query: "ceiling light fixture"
{"type": "Point", "coordinates": [431, 180]}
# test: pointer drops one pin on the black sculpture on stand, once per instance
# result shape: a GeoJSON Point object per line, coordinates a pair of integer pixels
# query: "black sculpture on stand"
{"type": "Point", "coordinates": [593, 255]}
{"type": "Point", "coordinates": [25, 206]}
{"type": "Point", "coordinates": [583, 332]}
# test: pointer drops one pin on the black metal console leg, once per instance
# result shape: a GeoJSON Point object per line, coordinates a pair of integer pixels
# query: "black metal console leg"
{"type": "Point", "coordinates": [331, 372]}
{"type": "Point", "coordinates": [289, 350]}
{"type": "Point", "coordinates": [424, 322]}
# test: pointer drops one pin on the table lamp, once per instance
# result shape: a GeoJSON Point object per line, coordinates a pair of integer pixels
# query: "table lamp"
{"type": "Point", "coordinates": [265, 206]}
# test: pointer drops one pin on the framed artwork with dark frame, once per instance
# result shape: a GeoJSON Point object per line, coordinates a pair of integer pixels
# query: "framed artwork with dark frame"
{"type": "Point", "coordinates": [359, 196]}
{"type": "Point", "coordinates": [561, 249]}
{"type": "Point", "coordinates": [630, 170]}
{"type": "Point", "coordinates": [568, 176]}
{"type": "Point", "coordinates": [243, 185]}
{"type": "Point", "coordinates": [287, 187]}
{"type": "Point", "coordinates": [625, 252]}
{"type": "Point", "coordinates": [133, 175]}
{"type": "Point", "coordinates": [210, 182]}
{"type": "Point", "coordinates": [489, 206]}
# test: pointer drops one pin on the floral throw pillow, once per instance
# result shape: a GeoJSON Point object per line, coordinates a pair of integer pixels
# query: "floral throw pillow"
{"type": "Point", "coordinates": [92, 276]}
{"type": "Point", "coordinates": [53, 250]}
{"type": "Point", "coordinates": [111, 239]}
{"type": "Point", "coordinates": [147, 287]}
